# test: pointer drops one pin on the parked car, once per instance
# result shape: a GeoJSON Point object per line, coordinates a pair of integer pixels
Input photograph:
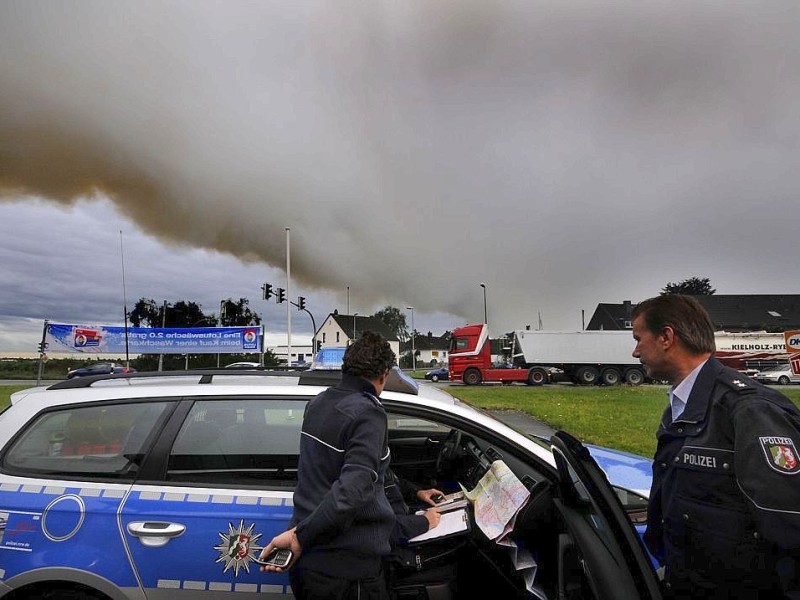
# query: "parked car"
{"type": "Point", "coordinates": [440, 374]}
{"type": "Point", "coordinates": [328, 359]}
{"type": "Point", "coordinates": [780, 374]}
{"type": "Point", "coordinates": [99, 369]}
{"type": "Point", "coordinates": [168, 485]}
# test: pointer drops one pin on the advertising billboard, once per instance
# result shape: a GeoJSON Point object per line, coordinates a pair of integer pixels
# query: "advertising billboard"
{"type": "Point", "coordinates": [101, 339]}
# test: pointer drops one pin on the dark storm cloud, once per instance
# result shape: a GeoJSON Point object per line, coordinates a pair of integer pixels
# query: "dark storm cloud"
{"type": "Point", "coordinates": [563, 153]}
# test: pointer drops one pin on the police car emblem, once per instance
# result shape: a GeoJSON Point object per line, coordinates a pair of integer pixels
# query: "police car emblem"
{"type": "Point", "coordinates": [781, 454]}
{"type": "Point", "coordinates": [238, 547]}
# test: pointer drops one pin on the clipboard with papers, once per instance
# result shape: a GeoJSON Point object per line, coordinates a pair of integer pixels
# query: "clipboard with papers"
{"type": "Point", "coordinates": [452, 523]}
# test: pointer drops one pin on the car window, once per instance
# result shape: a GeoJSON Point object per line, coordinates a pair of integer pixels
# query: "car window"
{"type": "Point", "coordinates": [460, 344]}
{"type": "Point", "coordinates": [634, 504]}
{"type": "Point", "coordinates": [238, 442]}
{"type": "Point", "coordinates": [99, 441]}
{"type": "Point", "coordinates": [401, 423]}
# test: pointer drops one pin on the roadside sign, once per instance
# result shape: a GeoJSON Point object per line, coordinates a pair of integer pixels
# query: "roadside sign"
{"type": "Point", "coordinates": [795, 362]}
{"type": "Point", "coordinates": [793, 349]}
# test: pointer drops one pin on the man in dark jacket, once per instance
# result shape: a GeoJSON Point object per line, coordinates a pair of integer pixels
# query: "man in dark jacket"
{"type": "Point", "coordinates": [342, 519]}
{"type": "Point", "coordinates": [724, 511]}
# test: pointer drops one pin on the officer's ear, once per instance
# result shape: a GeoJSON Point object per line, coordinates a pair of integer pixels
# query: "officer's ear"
{"type": "Point", "coordinates": [667, 337]}
{"type": "Point", "coordinates": [380, 383]}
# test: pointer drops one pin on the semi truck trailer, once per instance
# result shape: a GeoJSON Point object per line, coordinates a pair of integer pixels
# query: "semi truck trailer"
{"type": "Point", "coordinates": [751, 351]}
{"type": "Point", "coordinates": [588, 357]}
{"type": "Point", "coordinates": [585, 357]}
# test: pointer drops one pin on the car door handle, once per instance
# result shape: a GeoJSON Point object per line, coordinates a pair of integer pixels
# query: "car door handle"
{"type": "Point", "coordinates": [155, 533]}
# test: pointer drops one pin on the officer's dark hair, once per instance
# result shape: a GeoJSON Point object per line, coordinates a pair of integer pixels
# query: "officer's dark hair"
{"type": "Point", "coordinates": [684, 314]}
{"type": "Point", "coordinates": [370, 356]}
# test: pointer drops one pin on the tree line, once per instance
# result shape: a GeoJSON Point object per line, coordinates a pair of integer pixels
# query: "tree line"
{"type": "Point", "coordinates": [233, 313]}
{"type": "Point", "coordinates": [237, 313]}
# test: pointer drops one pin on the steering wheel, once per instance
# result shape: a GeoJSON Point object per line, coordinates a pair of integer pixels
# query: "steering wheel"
{"type": "Point", "coordinates": [449, 450]}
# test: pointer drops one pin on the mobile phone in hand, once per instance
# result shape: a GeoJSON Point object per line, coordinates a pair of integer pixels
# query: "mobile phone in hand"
{"type": "Point", "coordinates": [437, 498]}
{"type": "Point", "coordinates": [279, 557]}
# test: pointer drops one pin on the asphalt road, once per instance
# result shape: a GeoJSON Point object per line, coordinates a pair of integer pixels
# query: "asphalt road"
{"type": "Point", "coordinates": [523, 422]}
{"type": "Point", "coordinates": [515, 418]}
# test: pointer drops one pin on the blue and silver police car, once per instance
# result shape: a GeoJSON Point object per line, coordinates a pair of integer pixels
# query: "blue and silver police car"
{"type": "Point", "coordinates": [154, 486]}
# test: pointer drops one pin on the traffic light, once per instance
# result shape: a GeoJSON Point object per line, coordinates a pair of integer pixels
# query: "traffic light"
{"type": "Point", "coordinates": [281, 295]}
{"type": "Point", "coordinates": [42, 347]}
{"type": "Point", "coordinates": [301, 303]}
{"type": "Point", "coordinates": [267, 291]}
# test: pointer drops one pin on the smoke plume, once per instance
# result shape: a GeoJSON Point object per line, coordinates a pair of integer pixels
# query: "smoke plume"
{"type": "Point", "coordinates": [563, 153]}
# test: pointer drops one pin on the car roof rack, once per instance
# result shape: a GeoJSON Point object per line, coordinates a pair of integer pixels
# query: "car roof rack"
{"type": "Point", "coordinates": [203, 376]}
{"type": "Point", "coordinates": [397, 381]}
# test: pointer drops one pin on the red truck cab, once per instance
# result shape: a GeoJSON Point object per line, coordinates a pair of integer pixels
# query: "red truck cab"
{"type": "Point", "coordinates": [470, 360]}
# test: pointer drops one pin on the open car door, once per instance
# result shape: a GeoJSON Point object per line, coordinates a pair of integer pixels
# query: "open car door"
{"type": "Point", "coordinates": [601, 555]}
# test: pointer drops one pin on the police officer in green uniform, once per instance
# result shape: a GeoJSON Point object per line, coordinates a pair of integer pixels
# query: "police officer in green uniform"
{"type": "Point", "coordinates": [724, 511]}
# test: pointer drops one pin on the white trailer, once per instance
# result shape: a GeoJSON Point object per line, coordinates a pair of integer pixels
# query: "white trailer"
{"type": "Point", "coordinates": [586, 357]}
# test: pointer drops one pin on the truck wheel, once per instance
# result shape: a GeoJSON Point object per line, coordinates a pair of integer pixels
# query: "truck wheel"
{"type": "Point", "coordinates": [472, 377]}
{"type": "Point", "coordinates": [537, 376]}
{"type": "Point", "coordinates": [611, 377]}
{"type": "Point", "coordinates": [634, 376]}
{"type": "Point", "coordinates": [587, 376]}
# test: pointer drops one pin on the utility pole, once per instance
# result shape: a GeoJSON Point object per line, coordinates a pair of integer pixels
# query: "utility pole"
{"type": "Point", "coordinates": [163, 325]}
{"type": "Point", "coordinates": [485, 313]}
{"type": "Point", "coordinates": [267, 292]}
{"type": "Point", "coordinates": [301, 305]}
{"type": "Point", "coordinates": [42, 350]}
{"type": "Point", "coordinates": [288, 307]}
{"type": "Point", "coordinates": [223, 312]}
{"type": "Point", "coordinates": [413, 348]}
{"type": "Point", "coordinates": [124, 300]}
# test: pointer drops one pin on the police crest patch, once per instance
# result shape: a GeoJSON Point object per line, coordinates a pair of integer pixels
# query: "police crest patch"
{"type": "Point", "coordinates": [238, 547]}
{"type": "Point", "coordinates": [781, 454]}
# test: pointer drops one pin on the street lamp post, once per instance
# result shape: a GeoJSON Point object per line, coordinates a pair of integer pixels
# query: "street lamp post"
{"type": "Point", "coordinates": [413, 348]}
{"type": "Point", "coordinates": [354, 326]}
{"type": "Point", "coordinates": [186, 356]}
{"type": "Point", "coordinates": [485, 314]}
{"type": "Point", "coordinates": [223, 312]}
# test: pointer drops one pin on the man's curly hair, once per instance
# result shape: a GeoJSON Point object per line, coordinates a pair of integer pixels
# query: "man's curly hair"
{"type": "Point", "coordinates": [370, 356]}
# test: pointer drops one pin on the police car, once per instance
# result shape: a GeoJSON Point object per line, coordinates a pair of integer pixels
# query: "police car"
{"type": "Point", "coordinates": [154, 486]}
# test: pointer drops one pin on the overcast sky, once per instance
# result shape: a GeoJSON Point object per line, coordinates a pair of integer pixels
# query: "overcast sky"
{"type": "Point", "coordinates": [562, 153]}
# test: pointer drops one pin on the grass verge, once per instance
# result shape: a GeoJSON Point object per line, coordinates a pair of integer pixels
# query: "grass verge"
{"type": "Point", "coordinates": [621, 417]}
